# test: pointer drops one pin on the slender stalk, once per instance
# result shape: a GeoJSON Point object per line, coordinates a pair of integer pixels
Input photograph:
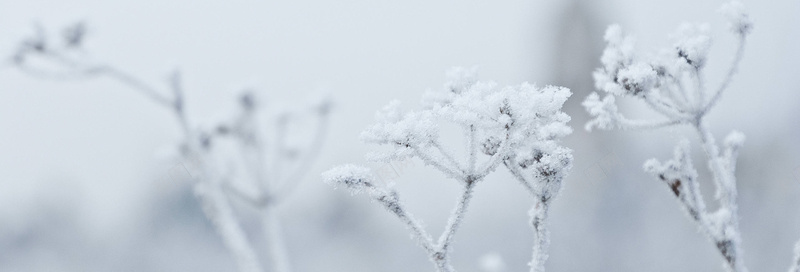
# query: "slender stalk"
{"type": "Point", "coordinates": [541, 235]}
{"type": "Point", "coordinates": [427, 159]}
{"type": "Point", "coordinates": [441, 257]}
{"type": "Point", "coordinates": [273, 235]}
{"type": "Point", "coordinates": [290, 182]}
{"type": "Point", "coordinates": [737, 58]}
{"type": "Point", "coordinates": [727, 237]}
{"type": "Point", "coordinates": [220, 213]}
{"type": "Point", "coordinates": [472, 146]}
{"type": "Point", "coordinates": [539, 219]}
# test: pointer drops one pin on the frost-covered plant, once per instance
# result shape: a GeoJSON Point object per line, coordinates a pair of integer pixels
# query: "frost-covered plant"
{"type": "Point", "coordinates": [673, 85]}
{"type": "Point", "coordinates": [516, 126]}
{"type": "Point", "coordinates": [274, 168]}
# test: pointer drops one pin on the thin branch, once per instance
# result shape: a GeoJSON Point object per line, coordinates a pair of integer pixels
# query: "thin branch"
{"type": "Point", "coordinates": [427, 159]}
{"type": "Point", "coordinates": [667, 109]}
{"type": "Point", "coordinates": [127, 79]}
{"type": "Point", "coordinates": [456, 217]}
{"type": "Point", "coordinates": [312, 153]}
{"type": "Point", "coordinates": [726, 183]}
{"type": "Point", "coordinates": [677, 93]}
{"type": "Point", "coordinates": [701, 88]}
{"type": "Point", "coordinates": [472, 146]}
{"type": "Point", "coordinates": [447, 156]}
{"type": "Point", "coordinates": [220, 213]}
{"type": "Point", "coordinates": [727, 238]}
{"type": "Point", "coordinates": [627, 124]}
{"type": "Point", "coordinates": [50, 75]}
{"type": "Point", "coordinates": [391, 201]}
{"type": "Point", "coordinates": [133, 82]}
{"type": "Point", "coordinates": [737, 58]}
{"type": "Point", "coordinates": [275, 244]}
{"type": "Point", "coordinates": [513, 167]}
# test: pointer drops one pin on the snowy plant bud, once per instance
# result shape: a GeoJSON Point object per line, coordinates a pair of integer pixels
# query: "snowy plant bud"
{"type": "Point", "coordinates": [692, 43]}
{"type": "Point", "coordinates": [738, 20]}
{"type": "Point", "coordinates": [491, 145]}
{"type": "Point", "coordinates": [74, 35]}
{"type": "Point", "coordinates": [355, 178]}
{"type": "Point", "coordinates": [637, 78]}
{"type": "Point", "coordinates": [247, 100]}
{"type": "Point", "coordinates": [735, 139]}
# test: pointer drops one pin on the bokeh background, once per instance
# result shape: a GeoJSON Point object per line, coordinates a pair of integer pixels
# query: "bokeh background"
{"type": "Point", "coordinates": [84, 185]}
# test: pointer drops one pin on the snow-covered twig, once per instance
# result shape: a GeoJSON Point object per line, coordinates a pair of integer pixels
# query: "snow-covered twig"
{"type": "Point", "coordinates": [663, 84]}
{"type": "Point", "coordinates": [212, 188]}
{"type": "Point", "coordinates": [500, 125]}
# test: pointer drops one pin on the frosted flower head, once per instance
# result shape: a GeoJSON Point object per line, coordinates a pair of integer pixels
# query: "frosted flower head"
{"type": "Point", "coordinates": [401, 129]}
{"type": "Point", "coordinates": [509, 116]}
{"type": "Point", "coordinates": [636, 78]}
{"type": "Point", "coordinates": [738, 20]}
{"type": "Point", "coordinates": [620, 50]}
{"type": "Point", "coordinates": [660, 80]}
{"type": "Point", "coordinates": [617, 56]}
{"type": "Point", "coordinates": [460, 78]}
{"type": "Point", "coordinates": [692, 43]}
{"type": "Point", "coordinates": [504, 119]}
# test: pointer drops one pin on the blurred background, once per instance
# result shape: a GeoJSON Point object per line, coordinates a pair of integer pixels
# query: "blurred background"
{"type": "Point", "coordinates": [84, 184]}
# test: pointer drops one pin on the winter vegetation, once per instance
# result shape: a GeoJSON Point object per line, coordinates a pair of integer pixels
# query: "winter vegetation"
{"type": "Point", "coordinates": [242, 169]}
{"type": "Point", "coordinates": [518, 127]}
{"type": "Point", "coordinates": [673, 84]}
{"type": "Point", "coordinates": [271, 167]}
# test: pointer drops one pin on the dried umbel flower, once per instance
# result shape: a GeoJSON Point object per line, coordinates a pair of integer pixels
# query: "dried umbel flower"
{"type": "Point", "coordinates": [272, 174]}
{"type": "Point", "coordinates": [673, 85]}
{"type": "Point", "coordinates": [502, 125]}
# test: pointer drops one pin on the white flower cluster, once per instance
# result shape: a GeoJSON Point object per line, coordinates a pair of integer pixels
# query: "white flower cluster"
{"type": "Point", "coordinates": [671, 82]}
{"type": "Point", "coordinates": [517, 126]}
{"type": "Point", "coordinates": [503, 120]}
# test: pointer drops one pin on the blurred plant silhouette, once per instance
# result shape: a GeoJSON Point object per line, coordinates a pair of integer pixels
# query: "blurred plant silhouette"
{"type": "Point", "coordinates": [273, 167]}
